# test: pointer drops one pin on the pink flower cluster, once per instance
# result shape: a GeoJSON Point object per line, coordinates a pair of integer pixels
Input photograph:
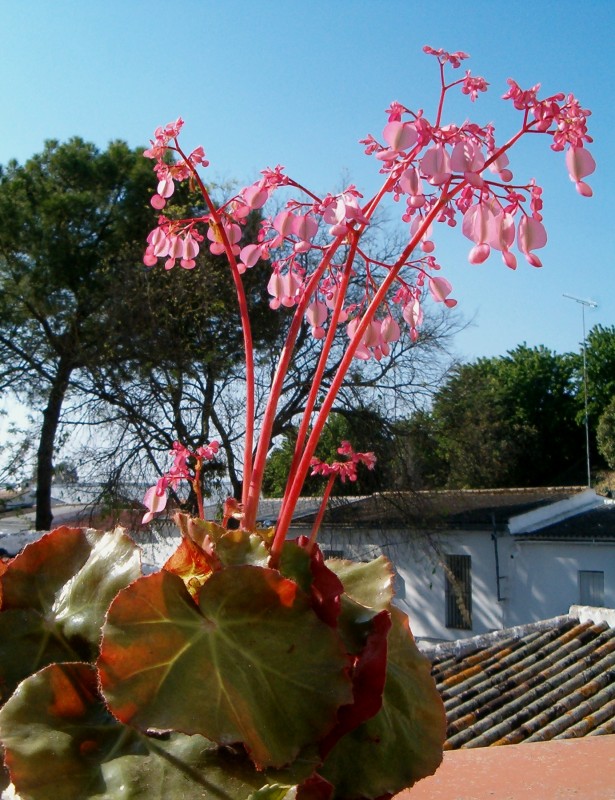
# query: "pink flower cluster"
{"type": "Point", "coordinates": [322, 267]}
{"type": "Point", "coordinates": [345, 470]}
{"type": "Point", "coordinates": [441, 172]}
{"type": "Point", "coordinates": [185, 465]}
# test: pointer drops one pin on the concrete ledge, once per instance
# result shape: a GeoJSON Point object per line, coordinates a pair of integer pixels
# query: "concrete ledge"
{"type": "Point", "coordinates": [564, 769]}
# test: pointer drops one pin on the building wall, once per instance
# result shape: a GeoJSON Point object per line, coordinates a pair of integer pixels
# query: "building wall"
{"type": "Point", "coordinates": [537, 580]}
{"type": "Point", "coordinates": [545, 579]}
{"type": "Point", "coordinates": [420, 577]}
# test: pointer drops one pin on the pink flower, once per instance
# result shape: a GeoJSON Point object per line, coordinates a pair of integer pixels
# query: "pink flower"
{"type": "Point", "coordinates": [410, 183]}
{"type": "Point", "coordinates": [343, 210]}
{"type": "Point", "coordinates": [467, 158]}
{"type": "Point", "coordinates": [399, 135]}
{"type": "Point", "coordinates": [345, 470]}
{"type": "Point", "coordinates": [255, 196]}
{"type": "Point", "coordinates": [413, 315]}
{"type": "Point", "coordinates": [214, 234]}
{"type": "Point", "coordinates": [208, 451]}
{"type": "Point", "coordinates": [436, 165]}
{"type": "Point", "coordinates": [478, 225]}
{"type": "Point", "coordinates": [503, 236]}
{"type": "Point", "coordinates": [454, 59]}
{"type": "Point", "coordinates": [499, 167]}
{"type": "Point", "coordinates": [285, 289]}
{"type": "Point", "coordinates": [376, 339]}
{"type": "Point", "coordinates": [439, 289]}
{"type": "Point", "coordinates": [305, 228]}
{"type": "Point", "coordinates": [155, 501]}
{"type": "Point", "coordinates": [249, 256]}
{"type": "Point", "coordinates": [473, 85]}
{"type": "Point", "coordinates": [531, 235]}
{"type": "Point", "coordinates": [317, 313]}
{"type": "Point", "coordinates": [580, 163]}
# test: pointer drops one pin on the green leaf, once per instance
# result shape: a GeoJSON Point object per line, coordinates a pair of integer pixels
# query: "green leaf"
{"type": "Point", "coordinates": [61, 742]}
{"type": "Point", "coordinates": [367, 582]}
{"type": "Point", "coordinates": [240, 547]}
{"type": "Point", "coordinates": [403, 742]}
{"type": "Point", "coordinates": [251, 663]}
{"type": "Point", "coordinates": [54, 598]}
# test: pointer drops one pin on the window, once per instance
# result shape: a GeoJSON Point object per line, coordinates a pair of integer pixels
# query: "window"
{"type": "Point", "coordinates": [458, 592]}
{"type": "Point", "coordinates": [328, 552]}
{"type": "Point", "coordinates": [591, 588]}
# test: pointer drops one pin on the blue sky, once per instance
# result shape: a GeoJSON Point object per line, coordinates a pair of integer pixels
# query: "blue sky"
{"type": "Point", "coordinates": [262, 82]}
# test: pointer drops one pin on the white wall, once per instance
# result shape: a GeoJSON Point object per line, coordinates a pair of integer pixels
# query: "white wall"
{"type": "Point", "coordinates": [538, 580]}
{"type": "Point", "coordinates": [417, 560]}
{"type": "Point", "coordinates": [545, 577]}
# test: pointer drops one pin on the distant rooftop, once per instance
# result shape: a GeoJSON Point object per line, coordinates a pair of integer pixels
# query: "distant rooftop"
{"type": "Point", "coordinates": [476, 508]}
{"type": "Point", "coordinates": [547, 680]}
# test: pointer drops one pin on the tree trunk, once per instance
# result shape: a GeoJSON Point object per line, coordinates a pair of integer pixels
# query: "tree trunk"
{"type": "Point", "coordinates": [44, 465]}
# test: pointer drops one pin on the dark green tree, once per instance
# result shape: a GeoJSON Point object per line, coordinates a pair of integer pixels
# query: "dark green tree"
{"type": "Point", "coordinates": [606, 434]}
{"type": "Point", "coordinates": [72, 223]}
{"type": "Point", "coordinates": [507, 421]}
{"type": "Point", "coordinates": [600, 364]}
{"type": "Point", "coordinates": [365, 428]}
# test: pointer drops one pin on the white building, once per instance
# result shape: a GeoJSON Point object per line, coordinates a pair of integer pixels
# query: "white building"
{"type": "Point", "coordinates": [471, 562]}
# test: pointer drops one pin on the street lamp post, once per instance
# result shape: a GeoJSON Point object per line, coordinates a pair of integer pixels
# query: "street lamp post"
{"type": "Point", "coordinates": [585, 304]}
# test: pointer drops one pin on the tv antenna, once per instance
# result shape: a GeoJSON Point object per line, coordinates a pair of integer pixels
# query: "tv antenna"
{"type": "Point", "coordinates": [585, 304]}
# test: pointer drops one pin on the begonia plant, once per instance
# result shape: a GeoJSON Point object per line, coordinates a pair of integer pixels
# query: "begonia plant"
{"type": "Point", "coordinates": [249, 666]}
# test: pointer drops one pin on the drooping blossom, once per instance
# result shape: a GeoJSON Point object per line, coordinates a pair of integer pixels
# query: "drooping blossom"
{"type": "Point", "coordinates": [376, 339]}
{"type": "Point", "coordinates": [345, 470]}
{"type": "Point", "coordinates": [531, 235]}
{"type": "Point", "coordinates": [155, 499]}
{"type": "Point", "coordinates": [285, 289]}
{"type": "Point", "coordinates": [580, 164]}
{"type": "Point", "coordinates": [441, 172]}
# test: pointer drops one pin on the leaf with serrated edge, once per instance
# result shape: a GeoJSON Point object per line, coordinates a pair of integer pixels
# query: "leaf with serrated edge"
{"type": "Point", "coordinates": [403, 742]}
{"type": "Point", "coordinates": [252, 663]}
{"type": "Point", "coordinates": [61, 742]}
{"type": "Point", "coordinates": [55, 596]}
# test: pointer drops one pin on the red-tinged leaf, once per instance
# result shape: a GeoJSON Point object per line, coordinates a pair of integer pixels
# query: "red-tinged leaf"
{"type": "Point", "coordinates": [315, 788]}
{"type": "Point", "coordinates": [190, 564]}
{"type": "Point", "coordinates": [403, 742]}
{"type": "Point", "coordinates": [305, 564]}
{"type": "Point", "coordinates": [55, 596]}
{"type": "Point", "coordinates": [250, 663]}
{"type": "Point", "coordinates": [368, 680]}
{"type": "Point", "coordinates": [61, 742]}
{"type": "Point", "coordinates": [209, 547]}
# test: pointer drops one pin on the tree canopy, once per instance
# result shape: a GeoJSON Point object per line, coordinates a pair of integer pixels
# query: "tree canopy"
{"type": "Point", "coordinates": [72, 221]}
{"type": "Point", "coordinates": [505, 421]}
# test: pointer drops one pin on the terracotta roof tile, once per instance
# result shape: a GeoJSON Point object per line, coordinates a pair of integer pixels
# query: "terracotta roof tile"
{"type": "Point", "coordinates": [541, 682]}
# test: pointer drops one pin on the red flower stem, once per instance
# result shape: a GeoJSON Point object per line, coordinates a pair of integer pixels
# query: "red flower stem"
{"type": "Point", "coordinates": [288, 508]}
{"type": "Point", "coordinates": [322, 364]}
{"type": "Point", "coordinates": [264, 438]}
{"type": "Point", "coordinates": [321, 510]}
{"type": "Point", "coordinates": [245, 325]}
{"type": "Point", "coordinates": [196, 483]}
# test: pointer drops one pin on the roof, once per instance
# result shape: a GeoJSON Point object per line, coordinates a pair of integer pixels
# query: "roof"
{"type": "Point", "coordinates": [549, 680]}
{"type": "Point", "coordinates": [594, 525]}
{"type": "Point", "coordinates": [463, 508]}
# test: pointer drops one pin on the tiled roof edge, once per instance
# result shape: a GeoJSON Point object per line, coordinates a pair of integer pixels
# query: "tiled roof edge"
{"type": "Point", "coordinates": [461, 647]}
{"type": "Point", "coordinates": [594, 614]}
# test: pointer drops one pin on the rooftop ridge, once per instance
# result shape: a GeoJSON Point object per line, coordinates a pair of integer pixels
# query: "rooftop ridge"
{"type": "Point", "coordinates": [555, 512]}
